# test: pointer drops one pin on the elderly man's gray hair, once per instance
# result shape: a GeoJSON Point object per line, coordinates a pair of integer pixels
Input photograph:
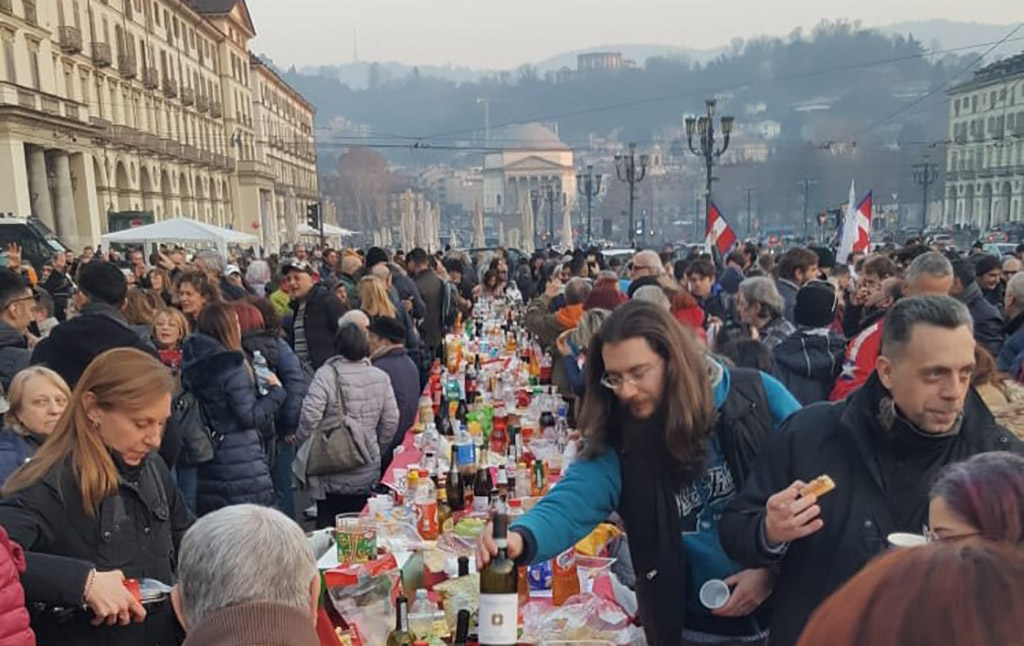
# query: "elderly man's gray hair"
{"type": "Point", "coordinates": [932, 264]}
{"type": "Point", "coordinates": [939, 311]}
{"type": "Point", "coordinates": [649, 260]}
{"type": "Point", "coordinates": [244, 554]}
{"type": "Point", "coordinates": [354, 317]}
{"type": "Point", "coordinates": [762, 290]}
{"type": "Point", "coordinates": [653, 294]}
{"type": "Point", "coordinates": [577, 290]}
{"type": "Point", "coordinates": [1015, 288]}
{"type": "Point", "coordinates": [212, 260]}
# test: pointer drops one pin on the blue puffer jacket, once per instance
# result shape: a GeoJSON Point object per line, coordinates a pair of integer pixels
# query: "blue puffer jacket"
{"type": "Point", "coordinates": [15, 450]}
{"type": "Point", "coordinates": [282, 361]}
{"type": "Point", "coordinates": [224, 386]}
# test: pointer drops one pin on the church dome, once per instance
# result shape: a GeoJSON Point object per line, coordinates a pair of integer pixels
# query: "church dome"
{"type": "Point", "coordinates": [531, 136]}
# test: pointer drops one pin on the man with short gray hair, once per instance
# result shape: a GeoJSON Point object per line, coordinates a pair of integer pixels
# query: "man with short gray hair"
{"type": "Point", "coordinates": [881, 449]}
{"type": "Point", "coordinates": [929, 273]}
{"type": "Point", "coordinates": [246, 575]}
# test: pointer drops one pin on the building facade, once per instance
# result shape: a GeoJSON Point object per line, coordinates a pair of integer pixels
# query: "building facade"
{"type": "Point", "coordinates": [985, 157]}
{"type": "Point", "coordinates": [116, 111]}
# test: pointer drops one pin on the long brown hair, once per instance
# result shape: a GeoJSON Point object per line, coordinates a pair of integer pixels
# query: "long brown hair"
{"type": "Point", "coordinates": [219, 321]}
{"type": "Point", "coordinates": [687, 402]}
{"type": "Point", "coordinates": [962, 593]}
{"type": "Point", "coordinates": [373, 298]}
{"type": "Point", "coordinates": [122, 378]}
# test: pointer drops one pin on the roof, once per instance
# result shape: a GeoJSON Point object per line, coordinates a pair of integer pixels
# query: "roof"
{"type": "Point", "coordinates": [993, 73]}
{"type": "Point", "coordinates": [256, 61]}
{"type": "Point", "coordinates": [530, 136]}
{"type": "Point", "coordinates": [222, 8]}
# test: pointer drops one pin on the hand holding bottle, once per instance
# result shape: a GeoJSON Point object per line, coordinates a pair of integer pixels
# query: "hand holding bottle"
{"type": "Point", "coordinates": [486, 547]}
{"type": "Point", "coordinates": [111, 602]}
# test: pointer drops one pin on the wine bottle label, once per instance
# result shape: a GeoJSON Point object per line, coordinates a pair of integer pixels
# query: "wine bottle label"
{"type": "Point", "coordinates": [481, 503]}
{"type": "Point", "coordinates": [498, 619]}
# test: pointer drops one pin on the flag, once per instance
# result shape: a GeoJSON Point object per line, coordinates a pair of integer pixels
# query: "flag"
{"type": "Point", "coordinates": [863, 224]}
{"type": "Point", "coordinates": [718, 231]}
{"type": "Point", "coordinates": [850, 236]}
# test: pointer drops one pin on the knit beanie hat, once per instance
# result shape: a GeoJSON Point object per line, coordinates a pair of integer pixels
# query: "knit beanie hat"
{"type": "Point", "coordinates": [375, 255]}
{"type": "Point", "coordinates": [816, 305]}
{"type": "Point", "coordinates": [605, 298]}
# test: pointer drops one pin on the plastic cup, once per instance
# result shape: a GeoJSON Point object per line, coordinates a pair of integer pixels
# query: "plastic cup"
{"type": "Point", "coordinates": [714, 594]}
{"type": "Point", "coordinates": [904, 539]}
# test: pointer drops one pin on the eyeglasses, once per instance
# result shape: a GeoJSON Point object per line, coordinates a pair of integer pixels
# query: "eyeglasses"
{"type": "Point", "coordinates": [617, 382]}
{"type": "Point", "coordinates": [931, 537]}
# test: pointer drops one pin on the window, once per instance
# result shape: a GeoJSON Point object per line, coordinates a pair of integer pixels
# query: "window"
{"type": "Point", "coordinates": [128, 10]}
{"type": "Point", "coordinates": [156, 13]}
{"type": "Point", "coordinates": [33, 64]}
{"type": "Point", "coordinates": [7, 44]}
{"type": "Point", "coordinates": [974, 103]}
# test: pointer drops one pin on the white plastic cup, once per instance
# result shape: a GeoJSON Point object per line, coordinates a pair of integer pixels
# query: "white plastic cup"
{"type": "Point", "coordinates": [904, 539]}
{"type": "Point", "coordinates": [714, 594]}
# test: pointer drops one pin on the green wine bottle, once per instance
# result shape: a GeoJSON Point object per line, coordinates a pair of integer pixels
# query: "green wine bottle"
{"type": "Point", "coordinates": [499, 599]}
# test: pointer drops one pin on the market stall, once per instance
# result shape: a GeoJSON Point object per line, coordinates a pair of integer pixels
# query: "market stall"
{"type": "Point", "coordinates": [179, 231]}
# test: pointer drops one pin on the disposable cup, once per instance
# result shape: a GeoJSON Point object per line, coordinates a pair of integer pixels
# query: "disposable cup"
{"type": "Point", "coordinates": [903, 539]}
{"type": "Point", "coordinates": [714, 594]}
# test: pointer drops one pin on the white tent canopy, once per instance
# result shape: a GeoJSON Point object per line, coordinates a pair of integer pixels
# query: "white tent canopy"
{"type": "Point", "coordinates": [181, 230]}
{"type": "Point", "coordinates": [330, 231]}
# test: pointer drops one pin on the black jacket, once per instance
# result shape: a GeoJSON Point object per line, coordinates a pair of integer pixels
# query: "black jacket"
{"type": "Point", "coordinates": [405, 382]}
{"type": "Point", "coordinates": [807, 363]}
{"type": "Point", "coordinates": [283, 363]}
{"type": "Point", "coordinates": [988, 322]}
{"type": "Point", "coordinates": [323, 309]}
{"type": "Point", "coordinates": [59, 286]}
{"type": "Point", "coordinates": [882, 481]}
{"type": "Point", "coordinates": [432, 289]}
{"type": "Point", "coordinates": [221, 381]}
{"type": "Point", "coordinates": [73, 345]}
{"type": "Point", "coordinates": [137, 531]}
{"type": "Point", "coordinates": [14, 354]}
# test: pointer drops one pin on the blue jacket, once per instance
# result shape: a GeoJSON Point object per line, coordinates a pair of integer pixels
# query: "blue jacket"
{"type": "Point", "coordinates": [405, 382]}
{"type": "Point", "coordinates": [282, 361]}
{"type": "Point", "coordinates": [1009, 358]}
{"type": "Point", "coordinates": [591, 489]}
{"type": "Point", "coordinates": [221, 381]}
{"type": "Point", "coordinates": [15, 450]}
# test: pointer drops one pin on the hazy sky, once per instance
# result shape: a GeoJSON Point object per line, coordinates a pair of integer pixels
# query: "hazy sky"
{"type": "Point", "coordinates": [504, 35]}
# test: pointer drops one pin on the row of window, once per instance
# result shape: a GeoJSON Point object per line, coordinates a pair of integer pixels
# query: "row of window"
{"type": "Point", "coordinates": [994, 127]}
{"type": "Point", "coordinates": [989, 99]}
{"type": "Point", "coordinates": [983, 157]}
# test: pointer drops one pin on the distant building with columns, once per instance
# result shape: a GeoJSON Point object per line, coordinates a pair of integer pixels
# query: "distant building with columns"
{"type": "Point", "coordinates": [532, 157]}
{"type": "Point", "coordinates": [984, 170]}
{"type": "Point", "coordinates": [121, 110]}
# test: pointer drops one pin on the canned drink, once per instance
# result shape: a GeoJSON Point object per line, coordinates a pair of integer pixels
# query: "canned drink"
{"type": "Point", "coordinates": [366, 544]}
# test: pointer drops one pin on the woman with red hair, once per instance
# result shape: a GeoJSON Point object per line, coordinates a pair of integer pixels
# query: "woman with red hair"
{"type": "Point", "coordinates": [982, 496]}
{"type": "Point", "coordinates": [963, 593]}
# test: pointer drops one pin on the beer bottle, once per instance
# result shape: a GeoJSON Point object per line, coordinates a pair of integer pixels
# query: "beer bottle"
{"type": "Point", "coordinates": [454, 488]}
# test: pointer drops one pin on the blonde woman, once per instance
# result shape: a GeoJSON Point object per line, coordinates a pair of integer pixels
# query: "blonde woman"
{"type": "Point", "coordinates": [38, 397]}
{"type": "Point", "coordinates": [374, 299]}
{"type": "Point", "coordinates": [170, 327]}
{"type": "Point", "coordinates": [96, 505]}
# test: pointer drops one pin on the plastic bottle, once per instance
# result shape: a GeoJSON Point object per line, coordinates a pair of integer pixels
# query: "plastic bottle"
{"type": "Point", "coordinates": [262, 370]}
{"type": "Point", "coordinates": [499, 429]}
{"type": "Point", "coordinates": [522, 480]}
{"type": "Point", "coordinates": [565, 582]}
{"type": "Point", "coordinates": [426, 507]}
{"type": "Point", "coordinates": [421, 615]}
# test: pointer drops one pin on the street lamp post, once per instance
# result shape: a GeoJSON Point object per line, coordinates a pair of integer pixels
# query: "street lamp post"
{"type": "Point", "coordinates": [628, 170]}
{"type": "Point", "coordinates": [589, 186]}
{"type": "Point", "coordinates": [548, 193]}
{"type": "Point", "coordinates": [925, 174]}
{"type": "Point", "coordinates": [705, 128]}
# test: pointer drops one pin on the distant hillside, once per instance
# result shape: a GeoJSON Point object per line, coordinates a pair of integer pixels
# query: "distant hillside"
{"type": "Point", "coordinates": [633, 52]}
{"type": "Point", "coordinates": [952, 35]}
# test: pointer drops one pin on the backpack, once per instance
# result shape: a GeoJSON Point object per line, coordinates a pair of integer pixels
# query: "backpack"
{"type": "Point", "coordinates": [449, 305]}
{"type": "Point", "coordinates": [188, 429]}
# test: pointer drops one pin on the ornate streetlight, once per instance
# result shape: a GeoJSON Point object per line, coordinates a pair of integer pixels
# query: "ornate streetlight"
{"type": "Point", "coordinates": [705, 128]}
{"type": "Point", "coordinates": [589, 186]}
{"type": "Point", "coordinates": [632, 171]}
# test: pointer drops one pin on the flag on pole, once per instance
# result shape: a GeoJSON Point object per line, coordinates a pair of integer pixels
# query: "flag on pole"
{"type": "Point", "coordinates": [850, 235]}
{"type": "Point", "coordinates": [864, 224]}
{"type": "Point", "coordinates": [718, 231]}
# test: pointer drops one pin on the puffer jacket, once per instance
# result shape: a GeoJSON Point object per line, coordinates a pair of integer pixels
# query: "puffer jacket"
{"type": "Point", "coordinates": [282, 361]}
{"type": "Point", "coordinates": [223, 384]}
{"type": "Point", "coordinates": [15, 450]}
{"type": "Point", "coordinates": [14, 622]}
{"type": "Point", "coordinates": [14, 354]}
{"type": "Point", "coordinates": [808, 361]}
{"type": "Point", "coordinates": [365, 394]}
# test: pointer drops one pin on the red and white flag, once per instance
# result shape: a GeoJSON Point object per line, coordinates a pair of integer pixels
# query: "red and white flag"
{"type": "Point", "coordinates": [718, 231]}
{"type": "Point", "coordinates": [864, 225]}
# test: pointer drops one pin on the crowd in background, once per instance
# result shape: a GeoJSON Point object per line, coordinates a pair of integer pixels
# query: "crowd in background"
{"type": "Point", "coordinates": [227, 368]}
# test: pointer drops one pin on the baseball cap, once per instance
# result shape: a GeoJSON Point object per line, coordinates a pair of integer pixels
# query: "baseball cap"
{"type": "Point", "coordinates": [294, 264]}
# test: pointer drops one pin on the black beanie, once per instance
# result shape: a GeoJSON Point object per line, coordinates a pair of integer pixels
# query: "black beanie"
{"type": "Point", "coordinates": [816, 304]}
{"type": "Point", "coordinates": [103, 282]}
{"type": "Point", "coordinates": [374, 256]}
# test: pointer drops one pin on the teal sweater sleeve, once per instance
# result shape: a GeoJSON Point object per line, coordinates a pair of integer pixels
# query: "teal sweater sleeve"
{"type": "Point", "coordinates": [781, 402]}
{"type": "Point", "coordinates": [586, 495]}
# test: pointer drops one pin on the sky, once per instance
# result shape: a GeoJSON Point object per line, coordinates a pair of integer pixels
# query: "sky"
{"type": "Point", "coordinates": [487, 34]}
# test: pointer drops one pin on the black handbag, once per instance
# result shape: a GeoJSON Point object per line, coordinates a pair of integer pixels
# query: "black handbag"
{"type": "Point", "coordinates": [199, 441]}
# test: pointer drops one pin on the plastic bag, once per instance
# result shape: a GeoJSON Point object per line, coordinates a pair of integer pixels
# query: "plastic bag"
{"type": "Point", "coordinates": [584, 617]}
{"type": "Point", "coordinates": [362, 594]}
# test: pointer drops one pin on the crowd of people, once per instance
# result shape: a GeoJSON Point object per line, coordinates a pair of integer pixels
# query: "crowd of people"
{"type": "Point", "coordinates": [142, 394]}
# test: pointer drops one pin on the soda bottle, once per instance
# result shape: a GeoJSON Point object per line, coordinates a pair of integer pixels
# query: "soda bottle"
{"type": "Point", "coordinates": [545, 369]}
{"type": "Point", "coordinates": [426, 507]}
{"type": "Point", "coordinates": [502, 483]}
{"type": "Point", "coordinates": [499, 429]}
{"type": "Point", "coordinates": [539, 479]}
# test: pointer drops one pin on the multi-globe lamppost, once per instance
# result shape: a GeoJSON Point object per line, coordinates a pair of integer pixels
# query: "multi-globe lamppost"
{"type": "Point", "coordinates": [632, 171]}
{"type": "Point", "coordinates": [589, 186]}
{"type": "Point", "coordinates": [705, 128]}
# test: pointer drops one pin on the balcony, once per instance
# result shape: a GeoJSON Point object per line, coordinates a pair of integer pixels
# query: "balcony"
{"type": "Point", "coordinates": [190, 153]}
{"type": "Point", "coordinates": [216, 109]}
{"type": "Point", "coordinates": [124, 135]}
{"type": "Point", "coordinates": [172, 149]}
{"type": "Point", "coordinates": [128, 67]}
{"type": "Point", "coordinates": [170, 88]}
{"type": "Point", "coordinates": [188, 96]}
{"type": "Point", "coordinates": [101, 55]}
{"type": "Point", "coordinates": [70, 40]}
{"type": "Point", "coordinates": [203, 103]}
{"type": "Point", "coordinates": [150, 78]}
{"type": "Point", "coordinates": [206, 157]}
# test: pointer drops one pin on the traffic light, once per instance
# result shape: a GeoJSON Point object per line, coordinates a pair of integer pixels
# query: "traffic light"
{"type": "Point", "coordinates": [313, 215]}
